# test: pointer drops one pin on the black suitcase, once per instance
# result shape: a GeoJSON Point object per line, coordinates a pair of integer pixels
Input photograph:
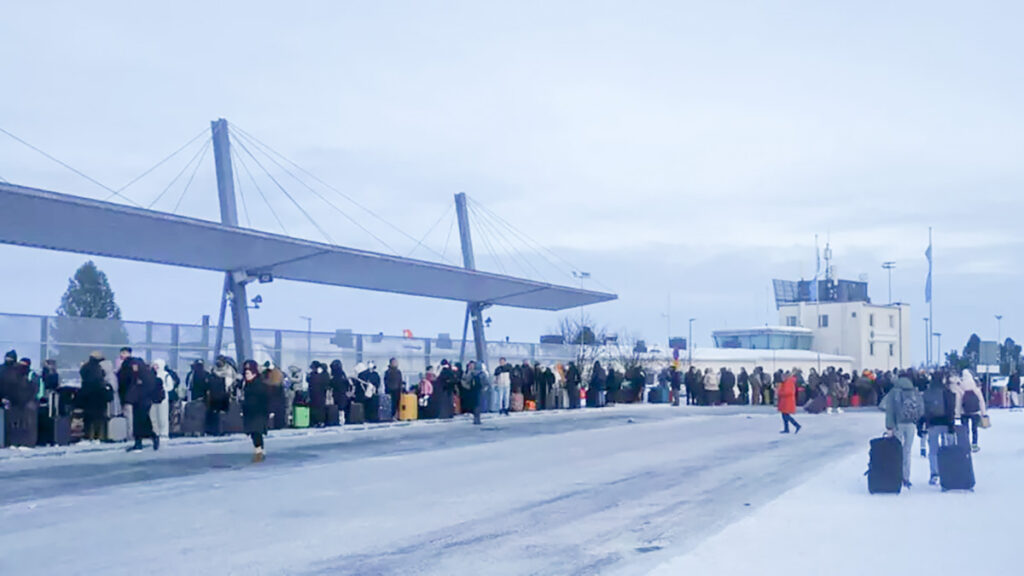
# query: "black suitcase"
{"type": "Point", "coordinates": [232, 421]}
{"type": "Point", "coordinates": [22, 426]}
{"type": "Point", "coordinates": [381, 408]}
{"type": "Point", "coordinates": [193, 418]}
{"type": "Point", "coordinates": [956, 468]}
{"type": "Point", "coordinates": [885, 469]}
{"type": "Point", "coordinates": [817, 405]}
{"type": "Point", "coordinates": [62, 430]}
{"type": "Point", "coordinates": [333, 415]}
{"type": "Point", "coordinates": [356, 413]}
{"type": "Point", "coordinates": [174, 419]}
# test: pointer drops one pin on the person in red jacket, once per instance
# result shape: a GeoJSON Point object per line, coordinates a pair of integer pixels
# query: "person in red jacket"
{"type": "Point", "coordinates": [787, 402]}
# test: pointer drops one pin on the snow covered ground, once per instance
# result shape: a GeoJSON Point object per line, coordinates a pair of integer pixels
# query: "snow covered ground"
{"type": "Point", "coordinates": [624, 490]}
{"type": "Point", "coordinates": [830, 525]}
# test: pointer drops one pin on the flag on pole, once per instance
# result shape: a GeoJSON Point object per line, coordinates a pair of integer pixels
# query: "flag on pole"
{"type": "Point", "coordinates": [928, 283]}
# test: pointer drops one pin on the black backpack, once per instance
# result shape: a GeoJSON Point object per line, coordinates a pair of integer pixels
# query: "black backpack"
{"type": "Point", "coordinates": [971, 402]}
{"type": "Point", "coordinates": [934, 403]}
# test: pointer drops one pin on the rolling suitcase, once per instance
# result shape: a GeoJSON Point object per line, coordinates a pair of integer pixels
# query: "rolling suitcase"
{"type": "Point", "coordinates": [232, 420]}
{"type": "Point", "coordinates": [517, 402]}
{"type": "Point", "coordinates": [408, 407]}
{"type": "Point", "coordinates": [61, 430]}
{"type": "Point", "coordinates": [381, 411]}
{"type": "Point", "coordinates": [356, 413]}
{"type": "Point", "coordinates": [333, 415]}
{"type": "Point", "coordinates": [174, 419]}
{"type": "Point", "coordinates": [22, 426]}
{"type": "Point", "coordinates": [300, 417]}
{"type": "Point", "coordinates": [77, 425]}
{"type": "Point", "coordinates": [117, 428]}
{"type": "Point", "coordinates": [885, 467]}
{"type": "Point", "coordinates": [817, 405]}
{"type": "Point", "coordinates": [278, 410]}
{"type": "Point", "coordinates": [956, 469]}
{"type": "Point", "coordinates": [193, 420]}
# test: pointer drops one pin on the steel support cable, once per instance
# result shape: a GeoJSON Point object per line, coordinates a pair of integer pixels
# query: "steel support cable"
{"type": "Point", "coordinates": [73, 169]}
{"type": "Point", "coordinates": [271, 152]}
{"type": "Point", "coordinates": [159, 164]}
{"type": "Point", "coordinates": [489, 236]}
{"type": "Point", "coordinates": [241, 191]}
{"type": "Point", "coordinates": [526, 239]}
{"type": "Point", "coordinates": [313, 191]}
{"type": "Point", "coordinates": [259, 190]}
{"type": "Point", "coordinates": [201, 151]}
{"type": "Point", "coordinates": [286, 193]}
{"type": "Point", "coordinates": [512, 249]}
{"type": "Point", "coordinates": [191, 178]}
{"type": "Point", "coordinates": [419, 242]}
{"type": "Point", "coordinates": [490, 247]}
{"type": "Point", "coordinates": [451, 228]}
{"type": "Point", "coordinates": [523, 236]}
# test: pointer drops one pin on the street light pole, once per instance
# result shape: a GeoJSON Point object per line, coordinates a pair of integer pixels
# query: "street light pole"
{"type": "Point", "coordinates": [927, 342]}
{"type": "Point", "coordinates": [309, 339]}
{"type": "Point", "coordinates": [689, 344]}
{"type": "Point", "coordinates": [999, 328]}
{"type": "Point", "coordinates": [581, 276]}
{"type": "Point", "coordinates": [888, 266]}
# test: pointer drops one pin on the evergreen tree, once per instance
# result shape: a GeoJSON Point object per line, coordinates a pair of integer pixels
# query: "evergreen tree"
{"type": "Point", "coordinates": [89, 295]}
{"type": "Point", "coordinates": [88, 319]}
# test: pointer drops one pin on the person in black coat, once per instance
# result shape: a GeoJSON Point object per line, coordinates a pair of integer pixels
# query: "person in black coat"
{"type": "Point", "coordinates": [529, 378]}
{"type": "Point", "coordinates": [51, 378]}
{"type": "Point", "coordinates": [198, 381]}
{"type": "Point", "coordinates": [675, 379]}
{"type": "Point", "coordinates": [141, 393]}
{"type": "Point", "coordinates": [938, 424]}
{"type": "Point", "coordinates": [573, 381]}
{"type": "Point", "coordinates": [598, 380]}
{"type": "Point", "coordinates": [727, 386]}
{"type": "Point", "coordinates": [14, 382]}
{"type": "Point", "coordinates": [254, 406]}
{"type": "Point", "coordinates": [340, 385]}
{"type": "Point", "coordinates": [613, 384]}
{"type": "Point", "coordinates": [444, 392]}
{"type": "Point", "coordinates": [318, 381]}
{"type": "Point", "coordinates": [93, 397]}
{"type": "Point", "coordinates": [393, 384]}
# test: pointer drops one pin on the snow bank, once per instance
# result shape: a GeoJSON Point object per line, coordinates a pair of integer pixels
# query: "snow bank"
{"type": "Point", "coordinates": [831, 525]}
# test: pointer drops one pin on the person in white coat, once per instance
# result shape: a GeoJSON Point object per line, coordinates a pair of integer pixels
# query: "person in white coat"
{"type": "Point", "coordinates": [160, 413]}
{"type": "Point", "coordinates": [970, 410]}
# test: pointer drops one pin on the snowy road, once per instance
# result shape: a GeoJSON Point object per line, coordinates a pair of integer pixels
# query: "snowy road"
{"type": "Point", "coordinates": [616, 491]}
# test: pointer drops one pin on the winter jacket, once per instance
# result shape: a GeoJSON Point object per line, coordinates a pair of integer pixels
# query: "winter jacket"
{"type": "Point", "coordinates": [255, 405]}
{"type": "Point", "coordinates": [891, 402]}
{"type": "Point", "coordinates": [393, 381]}
{"type": "Point", "coordinates": [573, 379]}
{"type": "Point", "coordinates": [711, 381]}
{"type": "Point", "coordinates": [340, 385]}
{"type": "Point", "coordinates": [528, 377]}
{"type": "Point", "coordinates": [318, 383]}
{"type": "Point", "coordinates": [948, 417]}
{"type": "Point", "coordinates": [599, 378]}
{"type": "Point", "coordinates": [1014, 384]}
{"type": "Point", "coordinates": [503, 376]}
{"type": "Point", "coordinates": [198, 382]}
{"type": "Point", "coordinates": [787, 396]}
{"type": "Point", "coordinates": [142, 386]}
{"type": "Point", "coordinates": [95, 392]}
{"type": "Point", "coordinates": [447, 381]}
{"type": "Point", "coordinates": [964, 385]}
{"type": "Point", "coordinates": [163, 377]}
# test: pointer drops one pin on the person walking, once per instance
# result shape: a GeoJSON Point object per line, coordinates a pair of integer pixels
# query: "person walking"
{"type": "Point", "coordinates": [970, 404]}
{"type": "Point", "coordinates": [939, 419]}
{"type": "Point", "coordinates": [787, 403]}
{"type": "Point", "coordinates": [255, 403]}
{"type": "Point", "coordinates": [903, 407]}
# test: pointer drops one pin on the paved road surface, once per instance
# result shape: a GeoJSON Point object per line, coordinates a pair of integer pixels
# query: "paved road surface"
{"type": "Point", "coordinates": [614, 491]}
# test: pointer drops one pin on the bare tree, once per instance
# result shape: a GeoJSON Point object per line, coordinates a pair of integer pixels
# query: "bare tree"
{"type": "Point", "coordinates": [581, 331]}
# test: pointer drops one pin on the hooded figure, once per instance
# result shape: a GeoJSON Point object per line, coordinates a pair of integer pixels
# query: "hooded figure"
{"type": "Point", "coordinates": [14, 384]}
{"type": "Point", "coordinates": [143, 390]}
{"type": "Point", "coordinates": [970, 404]}
{"type": "Point", "coordinates": [318, 381]}
{"type": "Point", "coordinates": [93, 397]}
{"type": "Point", "coordinates": [573, 382]}
{"type": "Point", "coordinates": [198, 381]}
{"type": "Point", "coordinates": [222, 381]}
{"type": "Point", "coordinates": [340, 386]}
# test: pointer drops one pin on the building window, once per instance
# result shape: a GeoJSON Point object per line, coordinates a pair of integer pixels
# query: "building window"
{"type": "Point", "coordinates": [892, 350]}
{"type": "Point", "coordinates": [823, 321]}
{"type": "Point", "coordinates": [892, 321]}
{"type": "Point", "coordinates": [871, 348]}
{"type": "Point", "coordinates": [871, 319]}
{"type": "Point", "coordinates": [790, 320]}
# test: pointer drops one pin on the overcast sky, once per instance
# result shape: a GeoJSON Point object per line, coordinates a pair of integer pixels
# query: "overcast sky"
{"type": "Point", "coordinates": [691, 149]}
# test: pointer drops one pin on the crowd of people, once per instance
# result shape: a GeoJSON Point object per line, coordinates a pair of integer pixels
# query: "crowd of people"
{"type": "Point", "coordinates": [155, 402]}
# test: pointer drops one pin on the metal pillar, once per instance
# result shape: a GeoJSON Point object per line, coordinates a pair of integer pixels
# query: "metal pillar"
{"type": "Point", "coordinates": [234, 288]}
{"type": "Point", "coordinates": [473, 309]}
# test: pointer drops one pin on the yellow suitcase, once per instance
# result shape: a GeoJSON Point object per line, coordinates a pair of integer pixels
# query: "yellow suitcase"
{"type": "Point", "coordinates": [408, 407]}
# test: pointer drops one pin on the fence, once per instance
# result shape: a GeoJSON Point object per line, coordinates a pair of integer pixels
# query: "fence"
{"type": "Point", "coordinates": [69, 341]}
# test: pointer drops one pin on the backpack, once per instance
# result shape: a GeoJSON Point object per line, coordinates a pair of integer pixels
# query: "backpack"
{"type": "Point", "coordinates": [934, 403]}
{"type": "Point", "coordinates": [971, 403]}
{"type": "Point", "coordinates": [910, 407]}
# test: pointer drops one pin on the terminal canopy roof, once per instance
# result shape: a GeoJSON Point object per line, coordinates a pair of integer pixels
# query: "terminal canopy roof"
{"type": "Point", "coordinates": [55, 221]}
